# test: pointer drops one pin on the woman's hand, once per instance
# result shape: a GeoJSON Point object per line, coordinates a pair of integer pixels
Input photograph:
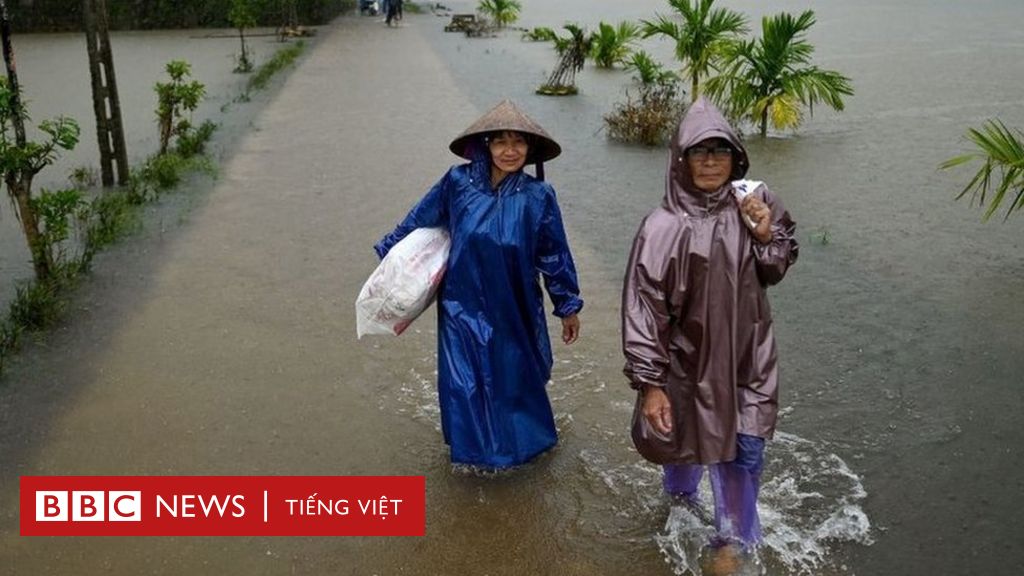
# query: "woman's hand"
{"type": "Point", "coordinates": [759, 212]}
{"type": "Point", "coordinates": [657, 409]}
{"type": "Point", "coordinates": [570, 328]}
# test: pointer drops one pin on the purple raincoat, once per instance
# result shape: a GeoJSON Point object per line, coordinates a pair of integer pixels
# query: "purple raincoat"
{"type": "Point", "coordinates": [695, 314]}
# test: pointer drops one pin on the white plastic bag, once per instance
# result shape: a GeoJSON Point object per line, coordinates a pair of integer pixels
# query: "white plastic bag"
{"type": "Point", "coordinates": [404, 283]}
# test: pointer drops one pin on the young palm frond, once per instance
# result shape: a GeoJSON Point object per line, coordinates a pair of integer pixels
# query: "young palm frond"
{"type": "Point", "coordinates": [1000, 150]}
{"type": "Point", "coordinates": [649, 71]}
{"type": "Point", "coordinates": [771, 79]}
{"type": "Point", "coordinates": [540, 34]}
{"type": "Point", "coordinates": [502, 12]}
{"type": "Point", "coordinates": [701, 38]}
{"type": "Point", "coordinates": [612, 45]}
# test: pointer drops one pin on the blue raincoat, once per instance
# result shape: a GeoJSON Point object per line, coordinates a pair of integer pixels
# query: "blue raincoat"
{"type": "Point", "coordinates": [493, 350]}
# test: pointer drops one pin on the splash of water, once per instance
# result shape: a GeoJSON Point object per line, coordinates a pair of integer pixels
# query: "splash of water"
{"type": "Point", "coordinates": [809, 500]}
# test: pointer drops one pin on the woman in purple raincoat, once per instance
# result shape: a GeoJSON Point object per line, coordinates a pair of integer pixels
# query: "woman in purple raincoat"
{"type": "Point", "coordinates": [494, 353]}
{"type": "Point", "coordinates": [696, 325]}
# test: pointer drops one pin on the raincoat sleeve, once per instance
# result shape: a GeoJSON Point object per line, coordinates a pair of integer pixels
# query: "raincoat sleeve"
{"type": "Point", "coordinates": [647, 311]}
{"type": "Point", "coordinates": [772, 260]}
{"type": "Point", "coordinates": [430, 212]}
{"type": "Point", "coordinates": [554, 261]}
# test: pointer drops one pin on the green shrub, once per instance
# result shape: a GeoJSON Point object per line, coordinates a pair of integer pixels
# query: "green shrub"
{"type": "Point", "coordinates": [193, 143]}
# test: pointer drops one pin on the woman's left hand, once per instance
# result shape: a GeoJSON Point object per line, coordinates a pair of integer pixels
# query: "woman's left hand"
{"type": "Point", "coordinates": [570, 328]}
{"type": "Point", "coordinates": [759, 212]}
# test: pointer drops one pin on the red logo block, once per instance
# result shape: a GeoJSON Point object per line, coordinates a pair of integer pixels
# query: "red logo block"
{"type": "Point", "coordinates": [223, 505]}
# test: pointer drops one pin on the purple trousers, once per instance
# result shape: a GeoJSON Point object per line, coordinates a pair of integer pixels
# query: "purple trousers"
{"type": "Point", "coordinates": [734, 484]}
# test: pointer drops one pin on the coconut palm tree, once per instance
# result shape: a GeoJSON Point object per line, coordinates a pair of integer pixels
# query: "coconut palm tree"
{"type": "Point", "coordinates": [613, 44]}
{"type": "Point", "coordinates": [502, 12]}
{"type": "Point", "coordinates": [700, 38]}
{"type": "Point", "coordinates": [771, 78]}
{"type": "Point", "coordinates": [998, 149]}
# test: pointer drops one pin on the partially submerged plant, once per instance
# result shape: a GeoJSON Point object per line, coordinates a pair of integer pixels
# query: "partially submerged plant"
{"type": "Point", "coordinates": [540, 34]}
{"type": "Point", "coordinates": [1000, 150]}
{"type": "Point", "coordinates": [176, 100]}
{"type": "Point", "coordinates": [21, 159]}
{"type": "Point", "coordinates": [242, 17]}
{"type": "Point", "coordinates": [613, 44]}
{"type": "Point", "coordinates": [649, 117]}
{"type": "Point", "coordinates": [572, 52]}
{"type": "Point", "coordinates": [502, 12]}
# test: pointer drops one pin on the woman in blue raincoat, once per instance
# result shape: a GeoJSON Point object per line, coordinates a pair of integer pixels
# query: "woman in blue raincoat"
{"type": "Point", "coordinates": [494, 354]}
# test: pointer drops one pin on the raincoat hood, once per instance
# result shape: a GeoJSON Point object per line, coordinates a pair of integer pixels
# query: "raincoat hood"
{"type": "Point", "coordinates": [507, 116]}
{"type": "Point", "coordinates": [702, 121]}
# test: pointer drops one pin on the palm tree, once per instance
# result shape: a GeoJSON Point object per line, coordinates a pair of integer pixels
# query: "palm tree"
{"type": "Point", "coordinates": [771, 78]}
{"type": "Point", "coordinates": [649, 71]}
{"type": "Point", "coordinates": [501, 11]}
{"type": "Point", "coordinates": [612, 45]}
{"type": "Point", "coordinates": [572, 52]}
{"type": "Point", "coordinates": [998, 148]}
{"type": "Point", "coordinates": [701, 37]}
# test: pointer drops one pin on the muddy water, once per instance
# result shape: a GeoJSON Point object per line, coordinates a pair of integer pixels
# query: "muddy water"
{"type": "Point", "coordinates": [230, 350]}
{"type": "Point", "coordinates": [898, 334]}
{"type": "Point", "coordinates": [54, 74]}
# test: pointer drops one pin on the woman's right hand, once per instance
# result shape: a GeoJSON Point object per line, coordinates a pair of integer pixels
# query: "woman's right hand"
{"type": "Point", "coordinates": [657, 409]}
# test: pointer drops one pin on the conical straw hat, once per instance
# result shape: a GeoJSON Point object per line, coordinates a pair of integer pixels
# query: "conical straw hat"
{"type": "Point", "coordinates": [506, 116]}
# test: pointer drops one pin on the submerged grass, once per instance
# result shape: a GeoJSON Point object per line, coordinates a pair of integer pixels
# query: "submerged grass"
{"type": "Point", "coordinates": [282, 59]}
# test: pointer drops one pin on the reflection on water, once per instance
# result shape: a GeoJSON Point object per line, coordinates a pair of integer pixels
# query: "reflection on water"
{"type": "Point", "coordinates": [810, 498]}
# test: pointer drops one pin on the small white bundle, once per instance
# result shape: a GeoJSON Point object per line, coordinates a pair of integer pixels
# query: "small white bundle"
{"type": "Point", "coordinates": [741, 189]}
{"type": "Point", "coordinates": [404, 283]}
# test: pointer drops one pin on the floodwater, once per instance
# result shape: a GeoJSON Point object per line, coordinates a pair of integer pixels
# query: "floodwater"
{"type": "Point", "coordinates": [53, 71]}
{"type": "Point", "coordinates": [898, 449]}
{"type": "Point", "coordinates": [898, 329]}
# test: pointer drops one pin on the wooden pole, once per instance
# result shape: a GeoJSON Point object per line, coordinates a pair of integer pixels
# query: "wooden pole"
{"type": "Point", "coordinates": [106, 104]}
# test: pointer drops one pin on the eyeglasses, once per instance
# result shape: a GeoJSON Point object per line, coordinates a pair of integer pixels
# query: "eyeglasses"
{"type": "Point", "coordinates": [701, 153]}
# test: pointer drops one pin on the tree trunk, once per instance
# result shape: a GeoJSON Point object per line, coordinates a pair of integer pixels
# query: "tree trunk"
{"type": "Point", "coordinates": [17, 117]}
{"type": "Point", "coordinates": [109, 128]}
{"type": "Point", "coordinates": [166, 125]}
{"type": "Point", "coordinates": [22, 193]}
{"type": "Point", "coordinates": [694, 85]}
{"type": "Point", "coordinates": [18, 178]}
{"type": "Point", "coordinates": [764, 121]}
{"type": "Point", "coordinates": [245, 55]}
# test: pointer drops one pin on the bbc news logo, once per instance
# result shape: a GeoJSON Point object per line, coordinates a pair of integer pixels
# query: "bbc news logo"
{"type": "Point", "coordinates": [89, 506]}
{"type": "Point", "coordinates": [223, 505]}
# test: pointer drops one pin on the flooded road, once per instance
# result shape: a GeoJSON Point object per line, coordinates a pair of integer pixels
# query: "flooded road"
{"type": "Point", "coordinates": [227, 346]}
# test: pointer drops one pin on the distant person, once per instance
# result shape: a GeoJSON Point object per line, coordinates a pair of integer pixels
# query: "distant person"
{"type": "Point", "coordinates": [697, 328]}
{"type": "Point", "coordinates": [493, 349]}
{"type": "Point", "coordinates": [394, 12]}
